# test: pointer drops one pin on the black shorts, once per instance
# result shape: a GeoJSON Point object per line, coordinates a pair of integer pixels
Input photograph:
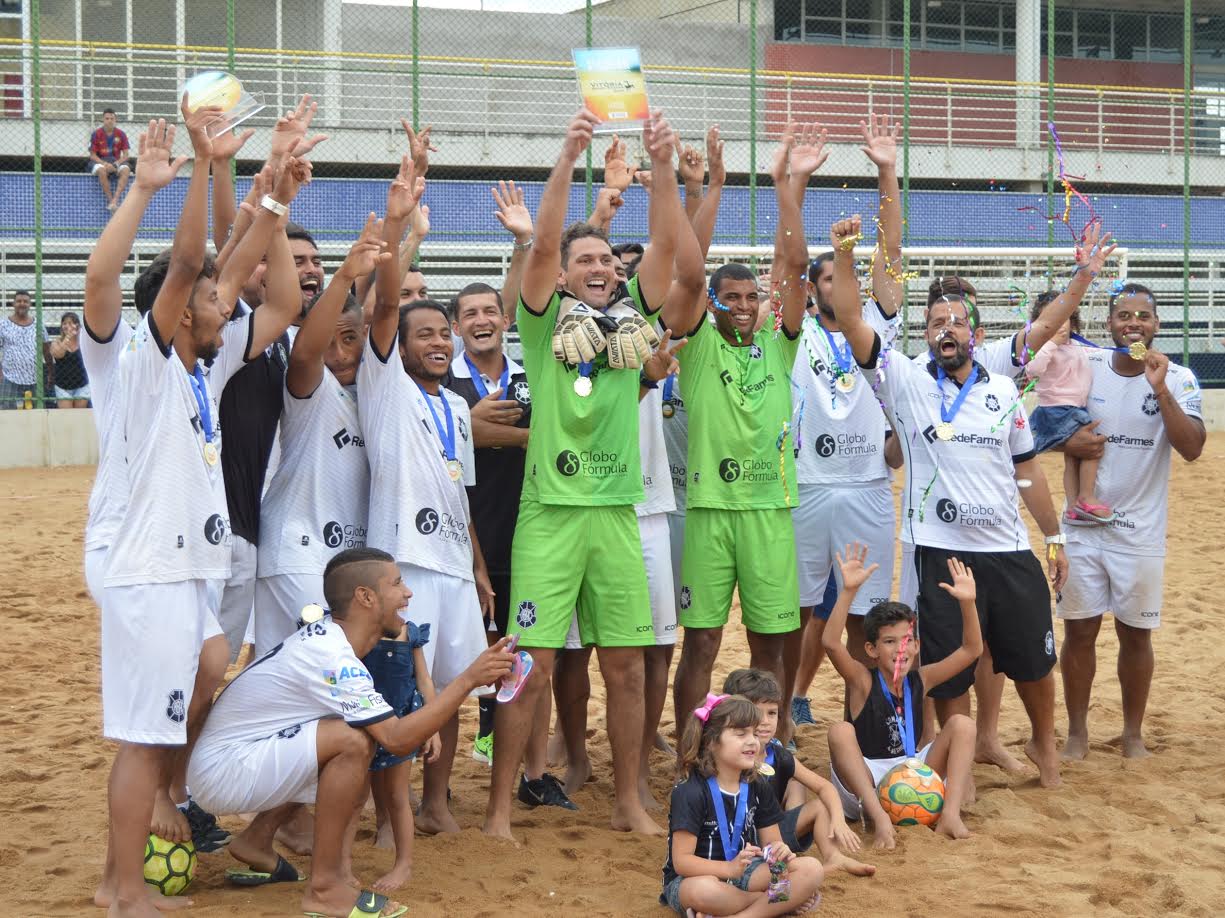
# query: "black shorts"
{"type": "Point", "coordinates": [1014, 611]}
{"type": "Point", "coordinates": [501, 601]}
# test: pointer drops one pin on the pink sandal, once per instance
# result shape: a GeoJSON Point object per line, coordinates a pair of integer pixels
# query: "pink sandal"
{"type": "Point", "coordinates": [513, 682]}
{"type": "Point", "coordinates": [1098, 513]}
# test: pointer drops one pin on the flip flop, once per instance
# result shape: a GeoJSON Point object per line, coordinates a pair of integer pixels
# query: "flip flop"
{"type": "Point", "coordinates": [513, 684]}
{"type": "Point", "coordinates": [284, 872]}
{"type": "Point", "coordinates": [368, 904]}
{"type": "Point", "coordinates": [1099, 512]}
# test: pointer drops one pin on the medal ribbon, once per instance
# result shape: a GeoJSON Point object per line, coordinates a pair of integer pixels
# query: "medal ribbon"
{"type": "Point", "coordinates": [948, 412]}
{"type": "Point", "coordinates": [770, 753]}
{"type": "Point", "coordinates": [669, 385]}
{"type": "Point", "coordinates": [1079, 339]}
{"type": "Point", "coordinates": [584, 368]}
{"type": "Point", "coordinates": [903, 711]}
{"type": "Point", "coordinates": [447, 439]}
{"type": "Point", "coordinates": [843, 358]}
{"type": "Point", "coordinates": [479, 382]}
{"type": "Point", "coordinates": [736, 834]}
{"type": "Point", "coordinates": [202, 403]}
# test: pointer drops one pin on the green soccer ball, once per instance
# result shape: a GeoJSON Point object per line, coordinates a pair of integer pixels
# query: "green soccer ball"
{"type": "Point", "coordinates": [169, 866]}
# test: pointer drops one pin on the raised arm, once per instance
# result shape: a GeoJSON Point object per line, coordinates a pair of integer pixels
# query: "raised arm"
{"type": "Point", "coordinates": [707, 213]}
{"type": "Point", "coordinates": [880, 146]}
{"type": "Point", "coordinates": [225, 147]}
{"type": "Point", "coordinates": [854, 575]}
{"type": "Point", "coordinates": [402, 199]}
{"type": "Point", "coordinates": [306, 359]}
{"type": "Point", "coordinates": [802, 152]}
{"type": "Point", "coordinates": [617, 178]}
{"type": "Point", "coordinates": [692, 168]}
{"type": "Point", "coordinates": [187, 252]}
{"type": "Point", "coordinates": [1091, 257]}
{"type": "Point", "coordinates": [686, 301]}
{"type": "Point", "coordinates": [664, 214]}
{"type": "Point", "coordinates": [847, 307]}
{"type": "Point", "coordinates": [516, 219]}
{"type": "Point", "coordinates": [964, 591]}
{"type": "Point", "coordinates": [156, 168]}
{"type": "Point", "coordinates": [544, 260]}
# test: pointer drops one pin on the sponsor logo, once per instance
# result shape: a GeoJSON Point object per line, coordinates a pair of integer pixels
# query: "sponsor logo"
{"type": "Point", "coordinates": [729, 470]}
{"type": "Point", "coordinates": [993, 403]}
{"type": "Point", "coordinates": [1124, 440]}
{"type": "Point", "coordinates": [967, 439]}
{"type": "Point", "coordinates": [526, 614]}
{"type": "Point", "coordinates": [352, 672]}
{"type": "Point", "coordinates": [686, 597]}
{"type": "Point", "coordinates": [875, 600]}
{"type": "Point", "coordinates": [567, 463]}
{"type": "Point", "coordinates": [427, 520]}
{"type": "Point", "coordinates": [290, 732]}
{"type": "Point", "coordinates": [341, 535]}
{"type": "Point", "coordinates": [1150, 406]}
{"type": "Point", "coordinates": [946, 510]}
{"type": "Point", "coordinates": [590, 463]}
{"type": "Point", "coordinates": [176, 706]}
{"type": "Point", "coordinates": [343, 438]}
{"type": "Point", "coordinates": [333, 534]}
{"type": "Point", "coordinates": [329, 676]}
{"type": "Point", "coordinates": [214, 529]}
{"type": "Point", "coordinates": [522, 393]}
{"type": "Point", "coordinates": [726, 377]}
{"type": "Point", "coordinates": [1050, 644]}
{"type": "Point", "coordinates": [845, 445]}
{"type": "Point", "coordinates": [826, 446]}
{"type": "Point", "coordinates": [749, 469]}
{"type": "Point", "coordinates": [967, 513]}
{"type": "Point", "coordinates": [642, 629]}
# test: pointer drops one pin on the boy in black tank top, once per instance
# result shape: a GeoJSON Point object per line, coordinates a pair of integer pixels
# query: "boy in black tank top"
{"type": "Point", "coordinates": [886, 700]}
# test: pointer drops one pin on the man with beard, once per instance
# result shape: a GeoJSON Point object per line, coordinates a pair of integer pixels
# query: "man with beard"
{"type": "Point", "coordinates": [1147, 406]}
{"type": "Point", "coordinates": [967, 442]}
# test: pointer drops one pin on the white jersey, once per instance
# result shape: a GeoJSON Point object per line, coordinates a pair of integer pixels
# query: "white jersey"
{"type": "Point", "coordinates": [417, 513]}
{"type": "Point", "coordinates": [676, 439]}
{"type": "Point", "coordinates": [312, 675]}
{"type": "Point", "coordinates": [960, 494]}
{"type": "Point", "coordinates": [318, 500]}
{"type": "Point", "coordinates": [656, 474]}
{"type": "Point", "coordinates": [175, 525]}
{"type": "Point", "coordinates": [110, 490]}
{"type": "Point", "coordinates": [839, 435]}
{"type": "Point", "coordinates": [1133, 478]}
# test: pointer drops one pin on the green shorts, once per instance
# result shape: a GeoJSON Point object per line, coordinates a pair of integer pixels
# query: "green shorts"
{"type": "Point", "coordinates": [587, 559]}
{"type": "Point", "coordinates": [754, 549]}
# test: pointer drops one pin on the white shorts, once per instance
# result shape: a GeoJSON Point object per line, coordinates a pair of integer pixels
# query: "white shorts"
{"type": "Point", "coordinates": [449, 605]}
{"type": "Point", "coordinates": [95, 573]}
{"type": "Point", "coordinates": [828, 518]}
{"type": "Point", "coordinates": [94, 167]}
{"type": "Point", "coordinates": [238, 596]}
{"type": "Point", "coordinates": [661, 584]}
{"type": "Point", "coordinates": [256, 776]}
{"type": "Point", "coordinates": [279, 599]}
{"type": "Point", "coordinates": [908, 586]}
{"type": "Point", "coordinates": [151, 640]}
{"type": "Point", "coordinates": [1100, 581]}
{"type": "Point", "coordinates": [851, 807]}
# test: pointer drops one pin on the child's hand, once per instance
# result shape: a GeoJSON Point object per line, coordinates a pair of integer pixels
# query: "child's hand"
{"type": "Point", "coordinates": [746, 857]}
{"type": "Point", "coordinates": [962, 588]}
{"type": "Point", "coordinates": [842, 835]}
{"type": "Point", "coordinates": [781, 854]}
{"type": "Point", "coordinates": [432, 749]}
{"type": "Point", "coordinates": [854, 574]}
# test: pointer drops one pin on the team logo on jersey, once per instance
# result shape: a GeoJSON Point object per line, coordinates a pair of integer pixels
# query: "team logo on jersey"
{"type": "Point", "coordinates": [176, 706]}
{"type": "Point", "coordinates": [522, 393]}
{"type": "Point", "coordinates": [214, 529]}
{"type": "Point", "coordinates": [993, 403]}
{"type": "Point", "coordinates": [946, 510]}
{"type": "Point", "coordinates": [333, 534]}
{"type": "Point", "coordinates": [754, 352]}
{"type": "Point", "coordinates": [1150, 406]}
{"type": "Point", "coordinates": [526, 615]}
{"type": "Point", "coordinates": [826, 446]}
{"type": "Point", "coordinates": [290, 732]}
{"type": "Point", "coordinates": [1050, 644]}
{"type": "Point", "coordinates": [729, 470]}
{"type": "Point", "coordinates": [343, 438]}
{"type": "Point", "coordinates": [686, 597]}
{"type": "Point", "coordinates": [427, 520]}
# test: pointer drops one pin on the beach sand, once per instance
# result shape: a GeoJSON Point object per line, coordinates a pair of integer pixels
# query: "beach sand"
{"type": "Point", "coordinates": [1119, 838]}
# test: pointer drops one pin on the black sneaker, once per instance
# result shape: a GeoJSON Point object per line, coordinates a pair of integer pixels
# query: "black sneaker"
{"type": "Point", "coordinates": [544, 791]}
{"type": "Point", "coordinates": [206, 834]}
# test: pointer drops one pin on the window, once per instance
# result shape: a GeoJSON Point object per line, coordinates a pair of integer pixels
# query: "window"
{"type": "Point", "coordinates": [1165, 38]}
{"type": "Point", "coordinates": [1093, 37]}
{"type": "Point", "coordinates": [1130, 36]}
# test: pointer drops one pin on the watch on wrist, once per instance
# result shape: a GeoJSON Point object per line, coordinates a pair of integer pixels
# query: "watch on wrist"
{"type": "Point", "coordinates": [268, 202]}
{"type": "Point", "coordinates": [524, 246]}
{"type": "Point", "coordinates": [647, 383]}
{"type": "Point", "coordinates": [1057, 539]}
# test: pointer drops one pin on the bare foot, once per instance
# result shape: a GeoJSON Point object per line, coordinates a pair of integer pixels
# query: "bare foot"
{"type": "Point", "coordinates": [1075, 749]}
{"type": "Point", "coordinates": [394, 879]}
{"type": "Point", "coordinates": [577, 775]}
{"type": "Point", "coordinates": [555, 755]}
{"type": "Point", "coordinates": [436, 822]}
{"type": "Point", "coordinates": [168, 821]}
{"type": "Point", "coordinates": [952, 826]}
{"type": "Point", "coordinates": [634, 819]}
{"type": "Point", "coordinates": [645, 797]}
{"type": "Point", "coordinates": [141, 908]}
{"type": "Point", "coordinates": [255, 857]}
{"type": "Point", "coordinates": [499, 829]}
{"type": "Point", "coordinates": [662, 744]}
{"type": "Point", "coordinates": [855, 868]}
{"type": "Point", "coordinates": [809, 906]}
{"type": "Point", "coordinates": [1047, 760]}
{"type": "Point", "coordinates": [994, 753]}
{"type": "Point", "coordinates": [385, 838]}
{"type": "Point", "coordinates": [1134, 748]}
{"type": "Point", "coordinates": [298, 834]}
{"type": "Point", "coordinates": [105, 898]}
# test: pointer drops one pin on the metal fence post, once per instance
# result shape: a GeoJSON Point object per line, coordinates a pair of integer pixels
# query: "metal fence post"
{"type": "Point", "coordinates": [1186, 182]}
{"type": "Point", "coordinates": [36, 109]}
{"type": "Point", "coordinates": [587, 177]}
{"type": "Point", "coordinates": [416, 73]}
{"type": "Point", "coordinates": [1050, 141]}
{"type": "Point", "coordinates": [905, 164]}
{"type": "Point", "coordinates": [752, 122]}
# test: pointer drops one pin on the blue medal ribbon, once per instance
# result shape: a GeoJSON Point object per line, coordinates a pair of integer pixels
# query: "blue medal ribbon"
{"type": "Point", "coordinates": [585, 367]}
{"type": "Point", "coordinates": [904, 720]}
{"type": "Point", "coordinates": [202, 403]}
{"type": "Point", "coordinates": [448, 438]}
{"type": "Point", "coordinates": [770, 753]}
{"type": "Point", "coordinates": [1080, 339]}
{"type": "Point", "coordinates": [844, 358]}
{"type": "Point", "coordinates": [479, 382]}
{"type": "Point", "coordinates": [736, 835]}
{"type": "Point", "coordinates": [948, 412]}
{"type": "Point", "coordinates": [669, 385]}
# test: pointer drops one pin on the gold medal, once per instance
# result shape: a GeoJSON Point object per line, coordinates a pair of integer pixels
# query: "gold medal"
{"type": "Point", "coordinates": [845, 382]}
{"type": "Point", "coordinates": [669, 409]}
{"type": "Point", "coordinates": [455, 469]}
{"type": "Point", "coordinates": [210, 454]}
{"type": "Point", "coordinates": [945, 431]}
{"type": "Point", "coordinates": [764, 769]}
{"type": "Point", "coordinates": [1137, 350]}
{"type": "Point", "coordinates": [311, 613]}
{"type": "Point", "coordinates": [582, 386]}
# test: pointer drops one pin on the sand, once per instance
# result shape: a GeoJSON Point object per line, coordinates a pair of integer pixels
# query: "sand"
{"type": "Point", "coordinates": [1120, 838]}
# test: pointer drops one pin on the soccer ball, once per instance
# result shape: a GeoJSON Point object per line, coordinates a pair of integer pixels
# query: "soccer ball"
{"type": "Point", "coordinates": [912, 794]}
{"type": "Point", "coordinates": [169, 866]}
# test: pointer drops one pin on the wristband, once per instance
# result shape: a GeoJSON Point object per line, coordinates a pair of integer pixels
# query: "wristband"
{"type": "Point", "coordinates": [268, 202]}
{"type": "Point", "coordinates": [647, 383]}
{"type": "Point", "coordinates": [524, 246]}
{"type": "Point", "coordinates": [1057, 539]}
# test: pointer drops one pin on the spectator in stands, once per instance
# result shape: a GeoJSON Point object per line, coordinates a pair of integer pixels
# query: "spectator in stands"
{"type": "Point", "coordinates": [71, 383]}
{"type": "Point", "coordinates": [19, 336]}
{"type": "Point", "coordinates": [109, 153]}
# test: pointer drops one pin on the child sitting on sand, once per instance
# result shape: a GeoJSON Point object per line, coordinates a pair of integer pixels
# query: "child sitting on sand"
{"type": "Point", "coordinates": [722, 815]}
{"type": "Point", "coordinates": [804, 820]}
{"type": "Point", "coordinates": [886, 700]}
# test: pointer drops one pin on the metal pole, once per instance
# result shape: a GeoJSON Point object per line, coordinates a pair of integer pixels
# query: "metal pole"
{"type": "Point", "coordinates": [752, 122]}
{"type": "Point", "coordinates": [1186, 182]}
{"type": "Point", "coordinates": [1050, 141]}
{"type": "Point", "coordinates": [416, 73]}
{"type": "Point", "coordinates": [587, 177]}
{"type": "Point", "coordinates": [36, 109]}
{"type": "Point", "coordinates": [905, 163]}
{"type": "Point", "coordinates": [229, 65]}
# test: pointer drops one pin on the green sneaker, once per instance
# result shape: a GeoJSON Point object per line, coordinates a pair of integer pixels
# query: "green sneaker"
{"type": "Point", "coordinates": [482, 748]}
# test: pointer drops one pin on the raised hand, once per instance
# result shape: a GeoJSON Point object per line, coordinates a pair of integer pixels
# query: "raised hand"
{"type": "Point", "coordinates": [854, 574]}
{"type": "Point", "coordinates": [663, 363]}
{"type": "Point", "coordinates": [617, 174]}
{"type": "Point", "coordinates": [1095, 247]}
{"type": "Point", "coordinates": [845, 233]}
{"type": "Point", "coordinates": [692, 165]}
{"type": "Point", "coordinates": [880, 136]}
{"type": "Point", "coordinates": [419, 146]}
{"type": "Point", "coordinates": [782, 155]}
{"type": "Point", "coordinates": [227, 144]}
{"type": "Point", "coordinates": [156, 165]}
{"type": "Point", "coordinates": [419, 222]}
{"type": "Point", "coordinates": [289, 134]}
{"type": "Point", "coordinates": [512, 213]}
{"type": "Point", "coordinates": [405, 191]}
{"type": "Point", "coordinates": [643, 177]}
{"type": "Point", "coordinates": [578, 134]}
{"type": "Point", "coordinates": [658, 138]}
{"type": "Point", "coordinates": [197, 123]}
{"type": "Point", "coordinates": [714, 156]}
{"type": "Point", "coordinates": [808, 153]}
{"type": "Point", "coordinates": [1156, 365]}
{"type": "Point", "coordinates": [962, 588]}
{"type": "Point", "coordinates": [367, 252]}
{"type": "Point", "coordinates": [295, 174]}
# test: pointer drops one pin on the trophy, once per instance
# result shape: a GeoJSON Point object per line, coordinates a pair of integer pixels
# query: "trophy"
{"type": "Point", "coordinates": [215, 87]}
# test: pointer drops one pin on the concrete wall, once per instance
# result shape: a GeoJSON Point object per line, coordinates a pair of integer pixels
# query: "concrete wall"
{"type": "Point", "coordinates": [34, 439]}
